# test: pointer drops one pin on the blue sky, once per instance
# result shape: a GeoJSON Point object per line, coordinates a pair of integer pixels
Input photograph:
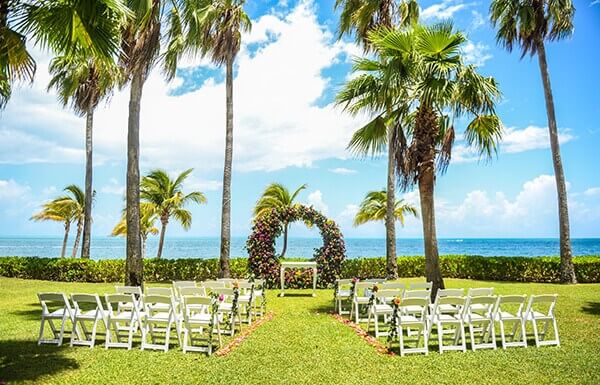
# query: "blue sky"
{"type": "Point", "coordinates": [287, 130]}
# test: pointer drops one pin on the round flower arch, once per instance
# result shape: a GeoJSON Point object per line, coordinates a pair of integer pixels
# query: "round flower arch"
{"type": "Point", "coordinates": [264, 262]}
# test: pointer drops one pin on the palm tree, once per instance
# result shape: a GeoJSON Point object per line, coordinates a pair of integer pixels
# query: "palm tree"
{"type": "Point", "coordinates": [362, 17]}
{"type": "Point", "coordinates": [528, 24]}
{"type": "Point", "coordinates": [63, 26]}
{"type": "Point", "coordinates": [374, 208]}
{"type": "Point", "coordinates": [149, 215]}
{"type": "Point", "coordinates": [84, 82]}
{"type": "Point", "coordinates": [214, 29]}
{"type": "Point", "coordinates": [440, 89]}
{"type": "Point", "coordinates": [277, 196]}
{"type": "Point", "coordinates": [166, 195]}
{"type": "Point", "coordinates": [58, 213]}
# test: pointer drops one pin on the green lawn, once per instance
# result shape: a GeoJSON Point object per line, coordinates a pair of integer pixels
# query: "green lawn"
{"type": "Point", "coordinates": [303, 344]}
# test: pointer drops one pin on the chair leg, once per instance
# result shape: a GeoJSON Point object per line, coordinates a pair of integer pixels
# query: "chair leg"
{"type": "Point", "coordinates": [556, 338]}
{"type": "Point", "coordinates": [41, 336]}
{"type": "Point", "coordinates": [535, 333]}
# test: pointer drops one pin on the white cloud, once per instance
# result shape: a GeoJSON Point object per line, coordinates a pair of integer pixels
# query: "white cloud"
{"type": "Point", "coordinates": [342, 171]}
{"type": "Point", "coordinates": [476, 53]}
{"type": "Point", "coordinates": [113, 187]}
{"type": "Point", "coordinates": [9, 189]}
{"type": "Point", "coordinates": [478, 20]}
{"type": "Point", "coordinates": [315, 199]}
{"type": "Point", "coordinates": [595, 2]}
{"type": "Point", "coordinates": [276, 114]}
{"type": "Point", "coordinates": [530, 138]}
{"type": "Point", "coordinates": [193, 183]}
{"type": "Point", "coordinates": [592, 191]}
{"type": "Point", "coordinates": [444, 10]}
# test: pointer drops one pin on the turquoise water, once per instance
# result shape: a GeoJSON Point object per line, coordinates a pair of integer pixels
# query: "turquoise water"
{"type": "Point", "coordinates": [108, 247]}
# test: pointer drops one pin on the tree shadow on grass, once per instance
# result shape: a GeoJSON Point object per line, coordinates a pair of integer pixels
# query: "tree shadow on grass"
{"type": "Point", "coordinates": [24, 360]}
{"type": "Point", "coordinates": [33, 313]}
{"type": "Point", "coordinates": [592, 308]}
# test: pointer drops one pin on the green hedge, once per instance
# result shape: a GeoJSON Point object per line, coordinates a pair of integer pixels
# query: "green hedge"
{"type": "Point", "coordinates": [524, 269]}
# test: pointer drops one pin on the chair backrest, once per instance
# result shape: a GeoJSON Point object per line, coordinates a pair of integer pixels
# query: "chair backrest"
{"type": "Point", "coordinates": [387, 295]}
{"type": "Point", "coordinates": [118, 300]}
{"type": "Point", "coordinates": [135, 290]}
{"type": "Point", "coordinates": [213, 284]}
{"type": "Point", "coordinates": [480, 291]}
{"type": "Point", "coordinates": [457, 303]}
{"type": "Point", "coordinates": [360, 287]}
{"type": "Point", "coordinates": [417, 294]}
{"type": "Point", "coordinates": [196, 300]}
{"type": "Point", "coordinates": [191, 291]}
{"type": "Point", "coordinates": [184, 283]}
{"type": "Point", "coordinates": [486, 304]}
{"type": "Point", "coordinates": [159, 291]}
{"type": "Point", "coordinates": [420, 285]}
{"type": "Point", "coordinates": [344, 281]}
{"type": "Point", "coordinates": [259, 283]}
{"type": "Point", "coordinates": [414, 301]}
{"type": "Point", "coordinates": [155, 299]}
{"type": "Point", "coordinates": [375, 280]}
{"type": "Point", "coordinates": [392, 285]}
{"type": "Point", "coordinates": [86, 302]}
{"type": "Point", "coordinates": [226, 279]}
{"type": "Point", "coordinates": [54, 300]}
{"type": "Point", "coordinates": [194, 305]}
{"type": "Point", "coordinates": [450, 293]}
{"type": "Point", "coordinates": [542, 303]}
{"type": "Point", "coordinates": [514, 303]}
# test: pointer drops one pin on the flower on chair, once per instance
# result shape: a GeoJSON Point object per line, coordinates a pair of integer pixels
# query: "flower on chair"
{"type": "Point", "coordinates": [375, 289]}
{"type": "Point", "coordinates": [235, 284]}
{"type": "Point", "coordinates": [354, 280]}
{"type": "Point", "coordinates": [397, 301]}
{"type": "Point", "coordinates": [221, 297]}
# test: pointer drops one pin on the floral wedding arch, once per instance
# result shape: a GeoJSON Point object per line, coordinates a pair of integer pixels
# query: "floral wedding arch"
{"type": "Point", "coordinates": [264, 262]}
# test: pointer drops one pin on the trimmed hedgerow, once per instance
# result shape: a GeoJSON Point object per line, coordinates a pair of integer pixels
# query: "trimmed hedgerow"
{"type": "Point", "coordinates": [522, 269]}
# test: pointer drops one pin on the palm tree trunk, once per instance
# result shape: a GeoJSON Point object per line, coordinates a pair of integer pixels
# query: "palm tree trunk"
{"type": "Point", "coordinates": [285, 236]}
{"type": "Point", "coordinates": [65, 239]}
{"type": "Point", "coordinates": [134, 264]}
{"type": "Point", "coordinates": [567, 270]}
{"type": "Point", "coordinates": [89, 193]}
{"type": "Point", "coordinates": [390, 219]}
{"type": "Point", "coordinates": [163, 230]}
{"type": "Point", "coordinates": [77, 238]}
{"type": "Point", "coordinates": [226, 204]}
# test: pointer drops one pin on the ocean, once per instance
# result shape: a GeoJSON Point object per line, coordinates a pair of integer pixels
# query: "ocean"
{"type": "Point", "coordinates": [208, 247]}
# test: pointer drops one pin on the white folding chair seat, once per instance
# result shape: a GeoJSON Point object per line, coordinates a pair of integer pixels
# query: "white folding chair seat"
{"type": "Point", "coordinates": [95, 314]}
{"type": "Point", "coordinates": [535, 315]}
{"type": "Point", "coordinates": [447, 308]}
{"type": "Point", "coordinates": [361, 298]}
{"type": "Point", "coordinates": [198, 317]}
{"type": "Point", "coordinates": [343, 292]}
{"type": "Point", "coordinates": [381, 307]}
{"type": "Point", "coordinates": [478, 314]}
{"type": "Point", "coordinates": [453, 319]}
{"type": "Point", "coordinates": [415, 325]}
{"type": "Point", "coordinates": [479, 292]}
{"type": "Point", "coordinates": [121, 321]}
{"type": "Point", "coordinates": [157, 319]}
{"type": "Point", "coordinates": [509, 313]}
{"type": "Point", "coordinates": [63, 313]}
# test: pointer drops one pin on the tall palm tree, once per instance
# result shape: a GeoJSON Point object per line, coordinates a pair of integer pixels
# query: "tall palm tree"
{"type": "Point", "coordinates": [166, 195]}
{"type": "Point", "coordinates": [58, 213]}
{"type": "Point", "coordinates": [277, 196]}
{"type": "Point", "coordinates": [374, 208]}
{"type": "Point", "coordinates": [362, 17]}
{"type": "Point", "coordinates": [148, 217]}
{"type": "Point", "coordinates": [379, 92]}
{"type": "Point", "coordinates": [214, 29]}
{"type": "Point", "coordinates": [528, 24]}
{"type": "Point", "coordinates": [63, 26]}
{"type": "Point", "coordinates": [440, 89]}
{"type": "Point", "coordinates": [84, 82]}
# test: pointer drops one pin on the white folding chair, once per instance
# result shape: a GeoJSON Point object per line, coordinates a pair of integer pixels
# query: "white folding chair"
{"type": "Point", "coordinates": [381, 307]}
{"type": "Point", "coordinates": [540, 309]}
{"type": "Point", "coordinates": [442, 316]}
{"type": "Point", "coordinates": [120, 319]}
{"type": "Point", "coordinates": [509, 311]}
{"type": "Point", "coordinates": [259, 293]}
{"type": "Point", "coordinates": [136, 291]}
{"type": "Point", "coordinates": [159, 291]}
{"type": "Point", "coordinates": [158, 317]}
{"type": "Point", "coordinates": [228, 308]}
{"type": "Point", "coordinates": [343, 292]}
{"type": "Point", "coordinates": [414, 325]}
{"type": "Point", "coordinates": [245, 300]}
{"type": "Point", "coordinates": [360, 298]}
{"type": "Point", "coordinates": [86, 308]}
{"type": "Point", "coordinates": [420, 286]}
{"type": "Point", "coordinates": [211, 286]}
{"type": "Point", "coordinates": [55, 307]}
{"type": "Point", "coordinates": [479, 292]}
{"type": "Point", "coordinates": [199, 315]}
{"type": "Point", "coordinates": [478, 314]}
{"type": "Point", "coordinates": [417, 310]}
{"type": "Point", "coordinates": [447, 293]}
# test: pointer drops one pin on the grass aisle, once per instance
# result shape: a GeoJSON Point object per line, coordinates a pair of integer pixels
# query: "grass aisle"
{"type": "Point", "coordinates": [302, 344]}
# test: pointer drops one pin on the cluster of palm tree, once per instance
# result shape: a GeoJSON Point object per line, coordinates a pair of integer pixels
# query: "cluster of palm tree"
{"type": "Point", "coordinates": [414, 83]}
{"type": "Point", "coordinates": [103, 44]}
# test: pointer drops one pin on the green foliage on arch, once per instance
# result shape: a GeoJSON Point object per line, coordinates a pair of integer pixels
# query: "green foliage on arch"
{"type": "Point", "coordinates": [264, 262]}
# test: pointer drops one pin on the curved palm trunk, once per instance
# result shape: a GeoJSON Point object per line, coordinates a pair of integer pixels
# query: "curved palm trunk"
{"type": "Point", "coordinates": [77, 238]}
{"type": "Point", "coordinates": [163, 230]}
{"type": "Point", "coordinates": [567, 270]}
{"type": "Point", "coordinates": [65, 239]}
{"type": "Point", "coordinates": [285, 239]}
{"type": "Point", "coordinates": [226, 204]}
{"type": "Point", "coordinates": [390, 220]}
{"type": "Point", "coordinates": [134, 264]}
{"type": "Point", "coordinates": [89, 193]}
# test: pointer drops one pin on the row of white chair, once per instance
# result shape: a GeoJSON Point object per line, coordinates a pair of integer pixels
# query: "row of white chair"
{"type": "Point", "coordinates": [195, 309]}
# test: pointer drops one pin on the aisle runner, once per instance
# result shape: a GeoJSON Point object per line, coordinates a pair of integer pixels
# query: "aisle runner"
{"type": "Point", "coordinates": [374, 342]}
{"type": "Point", "coordinates": [234, 343]}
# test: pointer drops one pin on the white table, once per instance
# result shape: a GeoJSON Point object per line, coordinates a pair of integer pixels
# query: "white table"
{"type": "Point", "coordinates": [298, 265]}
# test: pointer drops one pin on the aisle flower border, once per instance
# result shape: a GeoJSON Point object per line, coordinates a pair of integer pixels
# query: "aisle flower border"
{"type": "Point", "coordinates": [263, 260]}
{"type": "Point", "coordinates": [237, 341]}
{"type": "Point", "coordinates": [369, 339]}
